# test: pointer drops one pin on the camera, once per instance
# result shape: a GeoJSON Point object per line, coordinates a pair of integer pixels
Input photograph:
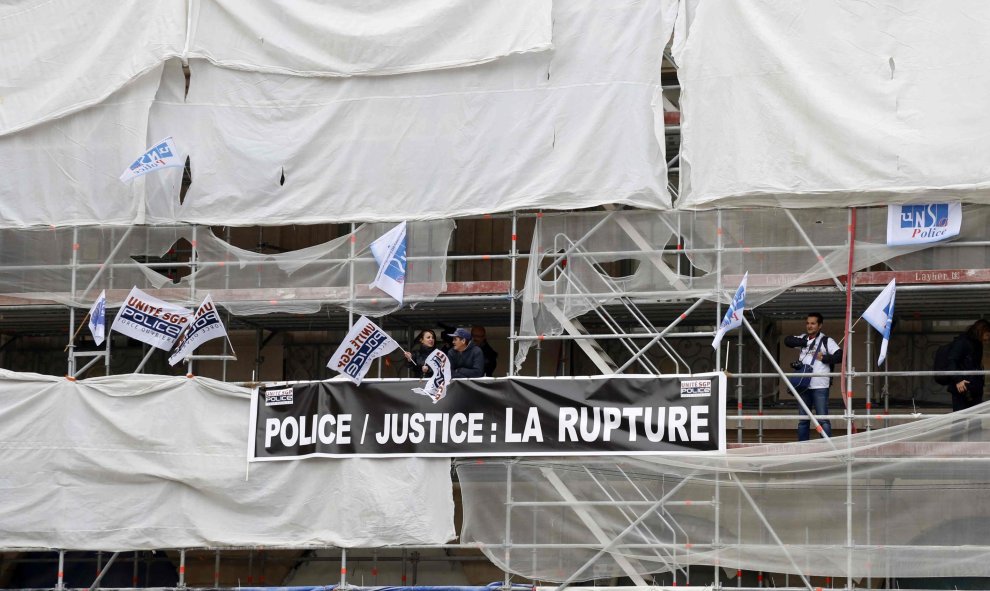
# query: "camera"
{"type": "Point", "coordinates": [797, 365]}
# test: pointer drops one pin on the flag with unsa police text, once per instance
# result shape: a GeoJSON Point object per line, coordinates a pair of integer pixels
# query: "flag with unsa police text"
{"type": "Point", "coordinates": [159, 156]}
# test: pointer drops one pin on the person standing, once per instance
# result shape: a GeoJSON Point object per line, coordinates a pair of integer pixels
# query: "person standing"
{"type": "Point", "coordinates": [466, 358]}
{"type": "Point", "coordinates": [966, 354]}
{"type": "Point", "coordinates": [821, 352]}
{"type": "Point", "coordinates": [480, 338]}
{"type": "Point", "coordinates": [426, 343]}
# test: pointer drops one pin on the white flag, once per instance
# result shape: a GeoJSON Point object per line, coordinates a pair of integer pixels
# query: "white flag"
{"type": "Point", "coordinates": [390, 254]}
{"type": "Point", "coordinates": [98, 319]}
{"type": "Point", "coordinates": [733, 316]}
{"type": "Point", "coordinates": [436, 385]}
{"type": "Point", "coordinates": [362, 345]}
{"type": "Point", "coordinates": [206, 326]}
{"type": "Point", "coordinates": [161, 155]}
{"type": "Point", "coordinates": [880, 315]}
{"type": "Point", "coordinates": [150, 320]}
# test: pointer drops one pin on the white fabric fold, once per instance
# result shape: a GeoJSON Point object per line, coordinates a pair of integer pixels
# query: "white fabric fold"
{"type": "Point", "coordinates": [62, 56]}
{"type": "Point", "coordinates": [65, 171]}
{"type": "Point", "coordinates": [808, 103]}
{"type": "Point", "coordinates": [565, 129]}
{"type": "Point", "coordinates": [364, 37]}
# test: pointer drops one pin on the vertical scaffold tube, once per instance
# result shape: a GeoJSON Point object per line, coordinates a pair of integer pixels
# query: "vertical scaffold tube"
{"type": "Point", "coordinates": [513, 256]}
{"type": "Point", "coordinates": [60, 582]}
{"type": "Point", "coordinates": [182, 569]}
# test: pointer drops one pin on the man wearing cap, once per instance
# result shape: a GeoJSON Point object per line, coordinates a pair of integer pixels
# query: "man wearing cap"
{"type": "Point", "coordinates": [466, 358]}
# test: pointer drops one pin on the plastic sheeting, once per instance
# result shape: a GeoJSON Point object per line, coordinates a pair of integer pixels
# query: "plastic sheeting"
{"type": "Point", "coordinates": [44, 264]}
{"type": "Point", "coordinates": [145, 462]}
{"type": "Point", "coordinates": [576, 126]}
{"type": "Point", "coordinates": [569, 128]}
{"type": "Point", "coordinates": [358, 37]}
{"type": "Point", "coordinates": [61, 56]}
{"type": "Point", "coordinates": [779, 248]}
{"type": "Point", "coordinates": [64, 172]}
{"type": "Point", "coordinates": [907, 501]}
{"type": "Point", "coordinates": [850, 103]}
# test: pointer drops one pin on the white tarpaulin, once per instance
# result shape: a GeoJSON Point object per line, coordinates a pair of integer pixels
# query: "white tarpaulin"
{"type": "Point", "coordinates": [568, 128]}
{"type": "Point", "coordinates": [807, 103]}
{"type": "Point", "coordinates": [61, 56]}
{"type": "Point", "coordinates": [65, 171]}
{"type": "Point", "coordinates": [362, 37]}
{"type": "Point", "coordinates": [144, 462]}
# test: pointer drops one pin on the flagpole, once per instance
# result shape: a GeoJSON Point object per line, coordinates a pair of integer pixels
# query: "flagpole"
{"type": "Point", "coordinates": [140, 367]}
{"type": "Point", "coordinates": [72, 339]}
{"type": "Point", "coordinates": [787, 382]}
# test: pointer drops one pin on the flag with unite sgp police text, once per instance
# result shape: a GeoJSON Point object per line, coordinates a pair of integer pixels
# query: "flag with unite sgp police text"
{"type": "Point", "coordinates": [151, 320]}
{"type": "Point", "coordinates": [206, 326]}
{"type": "Point", "coordinates": [363, 344]}
{"type": "Point", "coordinates": [436, 384]}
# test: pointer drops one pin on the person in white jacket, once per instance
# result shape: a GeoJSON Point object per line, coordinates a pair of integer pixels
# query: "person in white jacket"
{"type": "Point", "coordinates": [821, 352]}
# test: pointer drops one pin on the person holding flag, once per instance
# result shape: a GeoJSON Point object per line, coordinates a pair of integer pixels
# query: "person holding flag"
{"type": "Point", "coordinates": [733, 316]}
{"type": "Point", "coordinates": [880, 315]}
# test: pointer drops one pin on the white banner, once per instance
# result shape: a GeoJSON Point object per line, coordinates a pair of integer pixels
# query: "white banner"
{"type": "Point", "coordinates": [436, 384]}
{"type": "Point", "coordinates": [161, 155]}
{"type": "Point", "coordinates": [151, 320]}
{"type": "Point", "coordinates": [206, 326]}
{"type": "Point", "coordinates": [923, 222]}
{"type": "Point", "coordinates": [362, 345]}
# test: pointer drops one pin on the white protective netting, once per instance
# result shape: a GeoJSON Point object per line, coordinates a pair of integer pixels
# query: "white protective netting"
{"type": "Point", "coordinates": [148, 462]}
{"type": "Point", "coordinates": [779, 248]}
{"type": "Point", "coordinates": [907, 500]}
{"type": "Point", "coordinates": [805, 102]}
{"type": "Point", "coordinates": [46, 265]}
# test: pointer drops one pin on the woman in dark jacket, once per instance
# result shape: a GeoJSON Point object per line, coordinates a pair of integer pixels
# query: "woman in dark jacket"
{"type": "Point", "coordinates": [966, 354]}
{"type": "Point", "coordinates": [426, 343]}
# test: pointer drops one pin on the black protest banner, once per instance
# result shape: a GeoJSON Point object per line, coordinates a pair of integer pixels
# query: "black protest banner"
{"type": "Point", "coordinates": [491, 417]}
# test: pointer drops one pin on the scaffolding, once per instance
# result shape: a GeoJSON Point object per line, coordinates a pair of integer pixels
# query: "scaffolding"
{"type": "Point", "coordinates": [626, 325]}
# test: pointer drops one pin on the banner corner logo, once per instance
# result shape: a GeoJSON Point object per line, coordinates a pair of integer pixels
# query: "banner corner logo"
{"type": "Point", "coordinates": [278, 396]}
{"type": "Point", "coordinates": [696, 388]}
